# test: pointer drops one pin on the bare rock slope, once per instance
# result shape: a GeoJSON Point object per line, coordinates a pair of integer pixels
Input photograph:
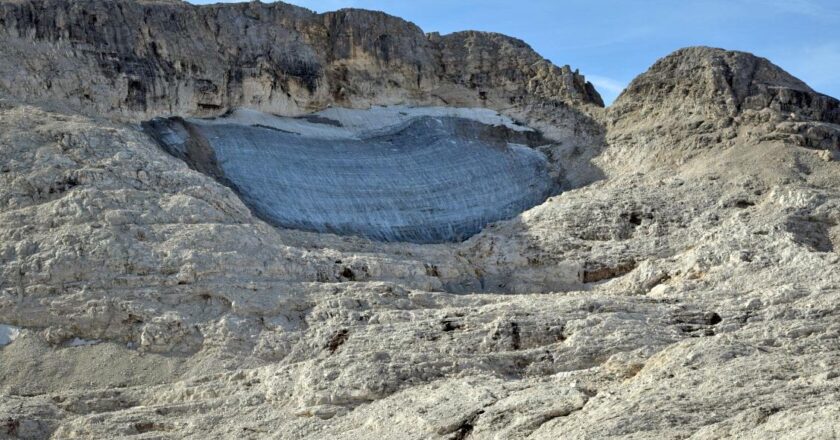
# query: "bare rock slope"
{"type": "Point", "coordinates": [684, 284]}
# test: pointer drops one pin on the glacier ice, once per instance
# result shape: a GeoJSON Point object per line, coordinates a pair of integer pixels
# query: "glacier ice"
{"type": "Point", "coordinates": [391, 174]}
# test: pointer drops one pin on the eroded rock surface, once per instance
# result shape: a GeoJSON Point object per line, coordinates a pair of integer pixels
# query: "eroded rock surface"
{"type": "Point", "coordinates": [136, 59]}
{"type": "Point", "coordinates": [684, 283]}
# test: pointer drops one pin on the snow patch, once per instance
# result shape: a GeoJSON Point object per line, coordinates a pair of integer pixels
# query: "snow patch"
{"type": "Point", "coordinates": [79, 342]}
{"type": "Point", "coordinates": [345, 123]}
{"type": "Point", "coordinates": [8, 334]}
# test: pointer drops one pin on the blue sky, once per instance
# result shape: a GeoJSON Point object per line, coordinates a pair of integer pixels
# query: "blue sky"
{"type": "Point", "coordinates": [612, 41]}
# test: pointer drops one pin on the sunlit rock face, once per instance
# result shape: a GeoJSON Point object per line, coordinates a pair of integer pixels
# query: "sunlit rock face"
{"type": "Point", "coordinates": [422, 175]}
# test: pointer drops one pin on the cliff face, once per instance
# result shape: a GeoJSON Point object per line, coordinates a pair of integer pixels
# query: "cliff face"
{"type": "Point", "coordinates": [137, 59]}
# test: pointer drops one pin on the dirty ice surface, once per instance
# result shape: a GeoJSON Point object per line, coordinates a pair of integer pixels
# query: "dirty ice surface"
{"type": "Point", "coordinates": [422, 175]}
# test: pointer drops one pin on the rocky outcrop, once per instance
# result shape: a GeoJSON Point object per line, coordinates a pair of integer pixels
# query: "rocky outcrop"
{"type": "Point", "coordinates": [136, 59]}
{"type": "Point", "coordinates": [145, 298]}
{"type": "Point", "coordinates": [689, 289]}
{"type": "Point", "coordinates": [720, 84]}
{"type": "Point", "coordinates": [505, 71]}
{"type": "Point", "coordinates": [699, 98]}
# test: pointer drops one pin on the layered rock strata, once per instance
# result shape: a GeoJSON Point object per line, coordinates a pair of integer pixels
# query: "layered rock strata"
{"type": "Point", "coordinates": [136, 59]}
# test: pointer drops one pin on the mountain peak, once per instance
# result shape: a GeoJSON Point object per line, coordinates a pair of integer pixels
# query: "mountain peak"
{"type": "Point", "coordinates": [724, 83]}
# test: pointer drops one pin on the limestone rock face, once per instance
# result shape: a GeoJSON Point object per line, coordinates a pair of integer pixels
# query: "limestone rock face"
{"type": "Point", "coordinates": [506, 69]}
{"type": "Point", "coordinates": [718, 84]}
{"type": "Point", "coordinates": [133, 59]}
{"type": "Point", "coordinates": [700, 97]}
{"type": "Point", "coordinates": [683, 283]}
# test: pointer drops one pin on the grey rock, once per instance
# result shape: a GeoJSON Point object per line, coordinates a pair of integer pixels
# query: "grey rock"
{"type": "Point", "coordinates": [137, 59]}
{"type": "Point", "coordinates": [684, 283]}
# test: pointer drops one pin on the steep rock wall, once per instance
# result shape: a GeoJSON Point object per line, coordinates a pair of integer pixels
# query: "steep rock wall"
{"type": "Point", "coordinates": [132, 60]}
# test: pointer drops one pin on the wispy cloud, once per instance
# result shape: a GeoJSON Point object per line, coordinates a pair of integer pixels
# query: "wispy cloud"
{"type": "Point", "coordinates": [812, 8]}
{"type": "Point", "coordinates": [818, 65]}
{"type": "Point", "coordinates": [606, 39]}
{"type": "Point", "coordinates": [607, 84]}
{"type": "Point", "coordinates": [609, 88]}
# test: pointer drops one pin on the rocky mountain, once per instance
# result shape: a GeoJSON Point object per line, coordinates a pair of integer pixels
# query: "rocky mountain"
{"type": "Point", "coordinates": [680, 279]}
{"type": "Point", "coordinates": [700, 97]}
{"type": "Point", "coordinates": [135, 59]}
